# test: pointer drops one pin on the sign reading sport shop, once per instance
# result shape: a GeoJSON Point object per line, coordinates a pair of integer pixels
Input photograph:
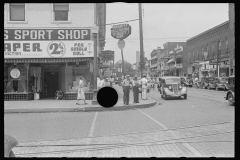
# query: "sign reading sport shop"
{"type": "Point", "coordinates": [47, 43]}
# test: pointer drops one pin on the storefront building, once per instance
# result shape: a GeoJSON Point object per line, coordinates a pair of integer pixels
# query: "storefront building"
{"type": "Point", "coordinates": [47, 47]}
{"type": "Point", "coordinates": [202, 50]}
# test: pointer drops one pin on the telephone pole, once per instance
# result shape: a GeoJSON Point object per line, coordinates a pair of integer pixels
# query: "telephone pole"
{"type": "Point", "coordinates": [142, 65]}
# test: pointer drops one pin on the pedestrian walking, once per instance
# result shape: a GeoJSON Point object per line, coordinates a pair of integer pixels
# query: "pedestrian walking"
{"type": "Point", "coordinates": [153, 84]}
{"type": "Point", "coordinates": [111, 81]}
{"type": "Point", "coordinates": [126, 89]}
{"type": "Point", "coordinates": [144, 83]}
{"type": "Point", "coordinates": [101, 83]}
{"type": "Point", "coordinates": [136, 84]}
{"type": "Point", "coordinates": [81, 95]}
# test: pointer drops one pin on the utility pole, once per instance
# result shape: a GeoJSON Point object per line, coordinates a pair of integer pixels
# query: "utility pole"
{"type": "Point", "coordinates": [142, 65]}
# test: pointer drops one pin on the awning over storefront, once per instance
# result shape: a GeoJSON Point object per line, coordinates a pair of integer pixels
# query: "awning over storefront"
{"type": "Point", "coordinates": [171, 60]}
{"type": "Point", "coordinates": [48, 60]}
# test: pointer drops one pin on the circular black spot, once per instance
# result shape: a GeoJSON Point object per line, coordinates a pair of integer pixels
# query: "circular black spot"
{"type": "Point", "coordinates": [107, 97]}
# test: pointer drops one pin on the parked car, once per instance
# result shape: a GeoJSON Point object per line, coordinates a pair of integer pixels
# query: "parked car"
{"type": "Point", "coordinates": [211, 83]}
{"type": "Point", "coordinates": [197, 84]}
{"type": "Point", "coordinates": [222, 83]}
{"type": "Point", "coordinates": [230, 96]}
{"type": "Point", "coordinates": [9, 143]}
{"type": "Point", "coordinates": [204, 82]}
{"type": "Point", "coordinates": [186, 82]}
{"type": "Point", "coordinates": [171, 87]}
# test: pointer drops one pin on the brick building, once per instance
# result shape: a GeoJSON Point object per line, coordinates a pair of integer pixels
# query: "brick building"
{"type": "Point", "coordinates": [170, 56]}
{"type": "Point", "coordinates": [48, 46]}
{"type": "Point", "coordinates": [201, 54]}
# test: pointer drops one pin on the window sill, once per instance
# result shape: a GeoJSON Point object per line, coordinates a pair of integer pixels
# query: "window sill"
{"type": "Point", "coordinates": [17, 22]}
{"type": "Point", "coordinates": [61, 22]}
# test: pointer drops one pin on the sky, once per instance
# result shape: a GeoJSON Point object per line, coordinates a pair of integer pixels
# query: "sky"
{"type": "Point", "coordinates": [162, 22]}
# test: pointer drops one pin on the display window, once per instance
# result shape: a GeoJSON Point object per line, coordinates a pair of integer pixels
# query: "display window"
{"type": "Point", "coordinates": [15, 78]}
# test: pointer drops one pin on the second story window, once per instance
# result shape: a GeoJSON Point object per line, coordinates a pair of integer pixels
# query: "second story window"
{"type": "Point", "coordinates": [17, 11]}
{"type": "Point", "coordinates": [60, 11]}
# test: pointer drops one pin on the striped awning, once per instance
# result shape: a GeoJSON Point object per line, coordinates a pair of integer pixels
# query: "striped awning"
{"type": "Point", "coordinates": [48, 60]}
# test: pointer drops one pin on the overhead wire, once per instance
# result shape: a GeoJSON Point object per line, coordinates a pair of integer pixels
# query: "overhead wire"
{"type": "Point", "coordinates": [146, 23]}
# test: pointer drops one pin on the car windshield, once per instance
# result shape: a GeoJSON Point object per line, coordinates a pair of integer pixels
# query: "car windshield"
{"type": "Point", "coordinates": [172, 80]}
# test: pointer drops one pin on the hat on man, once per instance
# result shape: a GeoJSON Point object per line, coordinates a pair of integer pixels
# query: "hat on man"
{"type": "Point", "coordinates": [127, 76]}
{"type": "Point", "coordinates": [81, 77]}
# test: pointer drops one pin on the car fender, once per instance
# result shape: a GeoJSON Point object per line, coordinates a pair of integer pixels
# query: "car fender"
{"type": "Point", "coordinates": [9, 143]}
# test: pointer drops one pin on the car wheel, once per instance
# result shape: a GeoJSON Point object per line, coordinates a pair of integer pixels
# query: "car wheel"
{"type": "Point", "coordinates": [185, 96]}
{"type": "Point", "coordinates": [164, 96]}
{"type": "Point", "coordinates": [230, 99]}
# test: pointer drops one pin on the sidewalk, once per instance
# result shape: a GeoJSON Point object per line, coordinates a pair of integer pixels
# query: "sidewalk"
{"type": "Point", "coordinates": [40, 106]}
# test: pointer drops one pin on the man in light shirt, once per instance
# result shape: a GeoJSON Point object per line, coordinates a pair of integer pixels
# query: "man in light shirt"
{"type": "Point", "coordinates": [144, 83]}
{"type": "Point", "coordinates": [101, 83]}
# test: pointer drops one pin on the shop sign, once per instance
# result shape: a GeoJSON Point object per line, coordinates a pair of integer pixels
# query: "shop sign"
{"type": "Point", "coordinates": [178, 49]}
{"type": "Point", "coordinates": [121, 31]}
{"type": "Point", "coordinates": [15, 73]}
{"type": "Point", "coordinates": [47, 43]}
{"type": "Point", "coordinates": [107, 55]}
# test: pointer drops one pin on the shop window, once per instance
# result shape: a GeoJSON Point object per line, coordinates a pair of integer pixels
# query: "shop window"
{"type": "Point", "coordinates": [61, 11]}
{"type": "Point", "coordinates": [17, 11]}
{"type": "Point", "coordinates": [15, 79]}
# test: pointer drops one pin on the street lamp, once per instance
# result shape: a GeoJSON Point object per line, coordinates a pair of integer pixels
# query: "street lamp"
{"type": "Point", "coordinates": [94, 36]}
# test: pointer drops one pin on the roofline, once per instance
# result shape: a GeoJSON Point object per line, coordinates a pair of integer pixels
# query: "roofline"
{"type": "Point", "coordinates": [208, 30]}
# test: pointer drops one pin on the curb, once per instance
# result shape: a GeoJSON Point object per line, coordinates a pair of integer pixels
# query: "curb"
{"type": "Point", "coordinates": [86, 109]}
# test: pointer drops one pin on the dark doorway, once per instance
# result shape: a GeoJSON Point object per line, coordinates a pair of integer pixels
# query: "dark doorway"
{"type": "Point", "coordinates": [51, 82]}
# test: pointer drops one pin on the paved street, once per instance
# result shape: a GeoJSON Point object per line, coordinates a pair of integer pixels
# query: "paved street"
{"type": "Point", "coordinates": [202, 125]}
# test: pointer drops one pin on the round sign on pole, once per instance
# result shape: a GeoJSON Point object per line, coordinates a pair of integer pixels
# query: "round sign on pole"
{"type": "Point", "coordinates": [15, 73]}
{"type": "Point", "coordinates": [121, 43]}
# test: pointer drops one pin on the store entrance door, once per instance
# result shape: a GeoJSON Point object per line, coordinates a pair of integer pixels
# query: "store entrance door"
{"type": "Point", "coordinates": [51, 82]}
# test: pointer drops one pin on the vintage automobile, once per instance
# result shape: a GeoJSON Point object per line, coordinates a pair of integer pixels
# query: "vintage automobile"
{"type": "Point", "coordinates": [186, 81]}
{"type": "Point", "coordinates": [230, 96]}
{"type": "Point", "coordinates": [197, 84]}
{"type": "Point", "coordinates": [211, 83]}
{"type": "Point", "coordinates": [9, 143]}
{"type": "Point", "coordinates": [171, 87]}
{"type": "Point", "coordinates": [222, 83]}
{"type": "Point", "coordinates": [204, 82]}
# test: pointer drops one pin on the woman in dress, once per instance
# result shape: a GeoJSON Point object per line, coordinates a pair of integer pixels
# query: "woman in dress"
{"type": "Point", "coordinates": [81, 94]}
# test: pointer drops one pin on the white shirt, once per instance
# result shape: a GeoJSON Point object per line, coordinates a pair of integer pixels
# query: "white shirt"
{"type": "Point", "coordinates": [98, 80]}
{"type": "Point", "coordinates": [101, 83]}
{"type": "Point", "coordinates": [144, 81]}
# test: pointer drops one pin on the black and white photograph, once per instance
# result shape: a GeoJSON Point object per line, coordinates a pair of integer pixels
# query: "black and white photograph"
{"type": "Point", "coordinates": [134, 80]}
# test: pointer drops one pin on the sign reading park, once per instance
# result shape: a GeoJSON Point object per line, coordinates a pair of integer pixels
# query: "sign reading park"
{"type": "Point", "coordinates": [46, 43]}
{"type": "Point", "coordinates": [121, 31]}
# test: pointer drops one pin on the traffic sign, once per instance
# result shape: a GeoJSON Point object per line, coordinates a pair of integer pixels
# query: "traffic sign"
{"type": "Point", "coordinates": [121, 43]}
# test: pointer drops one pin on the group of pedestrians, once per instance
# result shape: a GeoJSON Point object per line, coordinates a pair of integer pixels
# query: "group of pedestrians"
{"type": "Point", "coordinates": [137, 86]}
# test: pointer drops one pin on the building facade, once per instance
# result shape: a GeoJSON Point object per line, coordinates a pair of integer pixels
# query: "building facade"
{"type": "Point", "coordinates": [48, 46]}
{"type": "Point", "coordinates": [153, 63]}
{"type": "Point", "coordinates": [232, 37]}
{"type": "Point", "coordinates": [204, 50]}
{"type": "Point", "coordinates": [173, 53]}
